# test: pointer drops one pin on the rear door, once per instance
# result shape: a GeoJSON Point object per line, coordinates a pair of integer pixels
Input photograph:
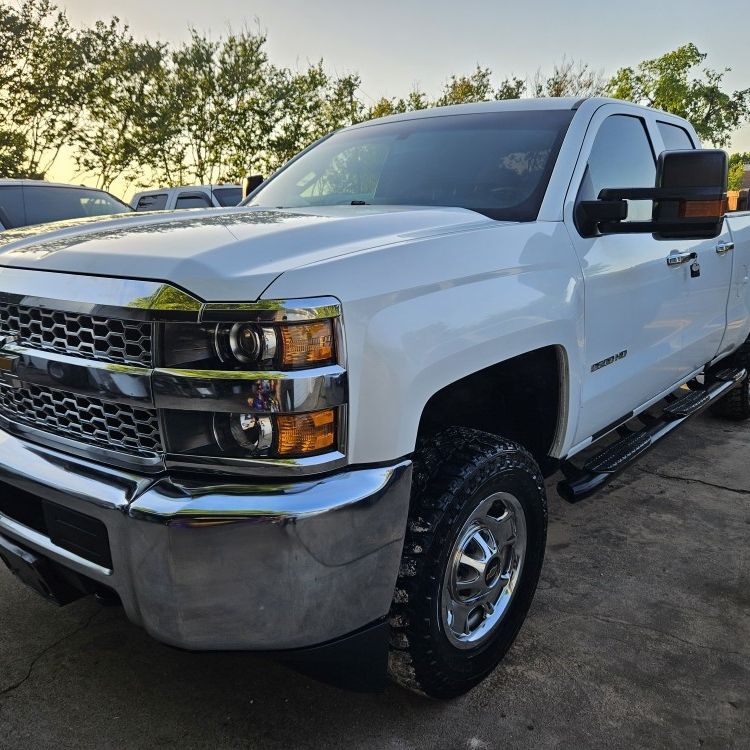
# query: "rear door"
{"type": "Point", "coordinates": [706, 295]}
{"type": "Point", "coordinates": [648, 325]}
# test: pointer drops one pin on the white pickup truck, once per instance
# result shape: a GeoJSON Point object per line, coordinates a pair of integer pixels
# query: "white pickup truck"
{"type": "Point", "coordinates": [318, 424]}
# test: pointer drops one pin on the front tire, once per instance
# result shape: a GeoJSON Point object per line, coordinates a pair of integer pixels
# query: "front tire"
{"type": "Point", "coordinates": [735, 406]}
{"type": "Point", "coordinates": [472, 557]}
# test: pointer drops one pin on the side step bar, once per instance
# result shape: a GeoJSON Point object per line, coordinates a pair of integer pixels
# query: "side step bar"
{"type": "Point", "coordinates": [605, 465]}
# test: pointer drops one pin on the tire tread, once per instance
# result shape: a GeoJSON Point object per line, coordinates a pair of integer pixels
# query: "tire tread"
{"type": "Point", "coordinates": [450, 464]}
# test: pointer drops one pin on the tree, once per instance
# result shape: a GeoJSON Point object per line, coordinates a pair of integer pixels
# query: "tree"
{"type": "Point", "coordinates": [121, 103]}
{"type": "Point", "coordinates": [41, 80]}
{"type": "Point", "coordinates": [737, 164]}
{"type": "Point", "coordinates": [510, 88]}
{"type": "Point", "coordinates": [251, 107]}
{"type": "Point", "coordinates": [476, 87]}
{"type": "Point", "coordinates": [197, 102]}
{"type": "Point", "coordinates": [12, 153]}
{"type": "Point", "coordinates": [669, 82]}
{"type": "Point", "coordinates": [313, 105]}
{"type": "Point", "coordinates": [385, 106]}
{"type": "Point", "coordinates": [569, 78]}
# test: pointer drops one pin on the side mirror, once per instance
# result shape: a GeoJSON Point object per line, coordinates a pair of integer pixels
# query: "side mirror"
{"type": "Point", "coordinates": [689, 200]}
{"type": "Point", "coordinates": [250, 183]}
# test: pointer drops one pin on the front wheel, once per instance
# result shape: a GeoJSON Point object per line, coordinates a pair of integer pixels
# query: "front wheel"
{"type": "Point", "coordinates": [735, 405]}
{"type": "Point", "coordinates": [472, 556]}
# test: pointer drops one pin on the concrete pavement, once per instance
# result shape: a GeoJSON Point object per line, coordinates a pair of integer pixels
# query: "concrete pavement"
{"type": "Point", "coordinates": [639, 637]}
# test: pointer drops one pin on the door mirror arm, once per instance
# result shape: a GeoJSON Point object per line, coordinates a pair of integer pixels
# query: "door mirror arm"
{"type": "Point", "coordinates": [590, 215]}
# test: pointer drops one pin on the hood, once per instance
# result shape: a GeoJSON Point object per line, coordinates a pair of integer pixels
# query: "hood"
{"type": "Point", "coordinates": [222, 254]}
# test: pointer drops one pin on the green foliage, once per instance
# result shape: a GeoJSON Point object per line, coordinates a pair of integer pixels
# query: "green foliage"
{"type": "Point", "coordinates": [120, 105]}
{"type": "Point", "coordinates": [737, 163]}
{"type": "Point", "coordinates": [41, 84]}
{"type": "Point", "coordinates": [669, 83]}
{"type": "Point", "coordinates": [476, 87]}
{"type": "Point", "coordinates": [384, 106]}
{"type": "Point", "coordinates": [211, 110]}
{"type": "Point", "coordinates": [12, 153]}
{"type": "Point", "coordinates": [569, 78]}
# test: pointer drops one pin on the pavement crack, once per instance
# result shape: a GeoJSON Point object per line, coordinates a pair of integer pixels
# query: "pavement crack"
{"type": "Point", "coordinates": [667, 634]}
{"type": "Point", "coordinates": [11, 688]}
{"type": "Point", "coordinates": [663, 475]}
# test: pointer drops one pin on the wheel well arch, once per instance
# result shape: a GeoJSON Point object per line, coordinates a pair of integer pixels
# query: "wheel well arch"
{"type": "Point", "coordinates": [523, 398]}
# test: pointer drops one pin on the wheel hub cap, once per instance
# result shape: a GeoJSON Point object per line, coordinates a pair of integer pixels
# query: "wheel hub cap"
{"type": "Point", "coordinates": [483, 570]}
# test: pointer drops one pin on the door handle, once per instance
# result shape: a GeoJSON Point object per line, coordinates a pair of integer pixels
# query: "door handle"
{"type": "Point", "coordinates": [678, 257]}
{"type": "Point", "coordinates": [724, 247]}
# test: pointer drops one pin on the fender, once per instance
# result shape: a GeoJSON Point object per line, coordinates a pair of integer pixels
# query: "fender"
{"type": "Point", "coordinates": [421, 315]}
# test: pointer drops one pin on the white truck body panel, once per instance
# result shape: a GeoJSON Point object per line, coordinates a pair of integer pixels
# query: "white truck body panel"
{"type": "Point", "coordinates": [431, 295]}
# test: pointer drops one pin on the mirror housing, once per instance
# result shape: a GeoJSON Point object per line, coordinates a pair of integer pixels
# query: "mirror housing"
{"type": "Point", "coordinates": [689, 200]}
{"type": "Point", "coordinates": [251, 182]}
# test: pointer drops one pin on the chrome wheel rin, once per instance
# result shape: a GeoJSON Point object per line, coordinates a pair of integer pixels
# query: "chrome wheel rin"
{"type": "Point", "coordinates": [483, 570]}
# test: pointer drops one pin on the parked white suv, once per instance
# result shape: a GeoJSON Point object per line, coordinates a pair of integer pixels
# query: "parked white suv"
{"type": "Point", "coordinates": [192, 196]}
{"type": "Point", "coordinates": [25, 202]}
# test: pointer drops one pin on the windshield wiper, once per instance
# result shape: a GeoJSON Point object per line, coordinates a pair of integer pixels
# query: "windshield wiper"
{"type": "Point", "coordinates": [359, 203]}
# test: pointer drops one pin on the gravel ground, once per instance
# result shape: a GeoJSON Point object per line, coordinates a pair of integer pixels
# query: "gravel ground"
{"type": "Point", "coordinates": [639, 637]}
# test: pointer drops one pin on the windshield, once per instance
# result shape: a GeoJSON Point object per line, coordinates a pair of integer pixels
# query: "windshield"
{"type": "Point", "coordinates": [496, 163]}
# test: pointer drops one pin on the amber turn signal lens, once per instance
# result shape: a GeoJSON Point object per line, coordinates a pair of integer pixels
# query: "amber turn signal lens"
{"type": "Point", "coordinates": [305, 344]}
{"type": "Point", "coordinates": [305, 433]}
{"type": "Point", "coordinates": [702, 209]}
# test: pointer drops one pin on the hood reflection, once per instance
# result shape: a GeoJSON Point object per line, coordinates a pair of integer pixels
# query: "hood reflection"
{"type": "Point", "coordinates": [43, 240]}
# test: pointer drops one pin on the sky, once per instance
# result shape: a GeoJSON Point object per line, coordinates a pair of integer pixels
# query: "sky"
{"type": "Point", "coordinates": [397, 44]}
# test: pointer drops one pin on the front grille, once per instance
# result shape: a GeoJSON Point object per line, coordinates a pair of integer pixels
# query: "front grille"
{"type": "Point", "coordinates": [90, 420]}
{"type": "Point", "coordinates": [90, 336]}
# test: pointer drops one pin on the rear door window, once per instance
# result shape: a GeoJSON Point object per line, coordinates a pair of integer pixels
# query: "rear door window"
{"type": "Point", "coordinates": [675, 138]}
{"type": "Point", "coordinates": [152, 202]}
{"type": "Point", "coordinates": [193, 200]}
{"type": "Point", "coordinates": [12, 213]}
{"type": "Point", "coordinates": [230, 196]}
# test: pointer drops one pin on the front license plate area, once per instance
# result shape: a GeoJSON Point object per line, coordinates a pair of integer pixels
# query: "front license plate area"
{"type": "Point", "coordinates": [37, 573]}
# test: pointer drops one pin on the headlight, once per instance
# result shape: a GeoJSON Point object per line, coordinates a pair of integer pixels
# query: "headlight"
{"type": "Point", "coordinates": [248, 435]}
{"type": "Point", "coordinates": [234, 346]}
{"type": "Point", "coordinates": [264, 381]}
{"type": "Point", "coordinates": [245, 344]}
{"type": "Point", "coordinates": [255, 434]}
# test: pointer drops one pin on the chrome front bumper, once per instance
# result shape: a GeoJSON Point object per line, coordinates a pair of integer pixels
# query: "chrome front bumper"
{"type": "Point", "coordinates": [227, 566]}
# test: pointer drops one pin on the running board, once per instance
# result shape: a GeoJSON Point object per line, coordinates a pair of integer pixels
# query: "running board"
{"type": "Point", "coordinates": [600, 468]}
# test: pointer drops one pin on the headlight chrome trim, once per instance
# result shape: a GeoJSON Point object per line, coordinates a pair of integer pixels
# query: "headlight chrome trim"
{"type": "Point", "coordinates": [225, 390]}
{"type": "Point", "coordinates": [272, 311]}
